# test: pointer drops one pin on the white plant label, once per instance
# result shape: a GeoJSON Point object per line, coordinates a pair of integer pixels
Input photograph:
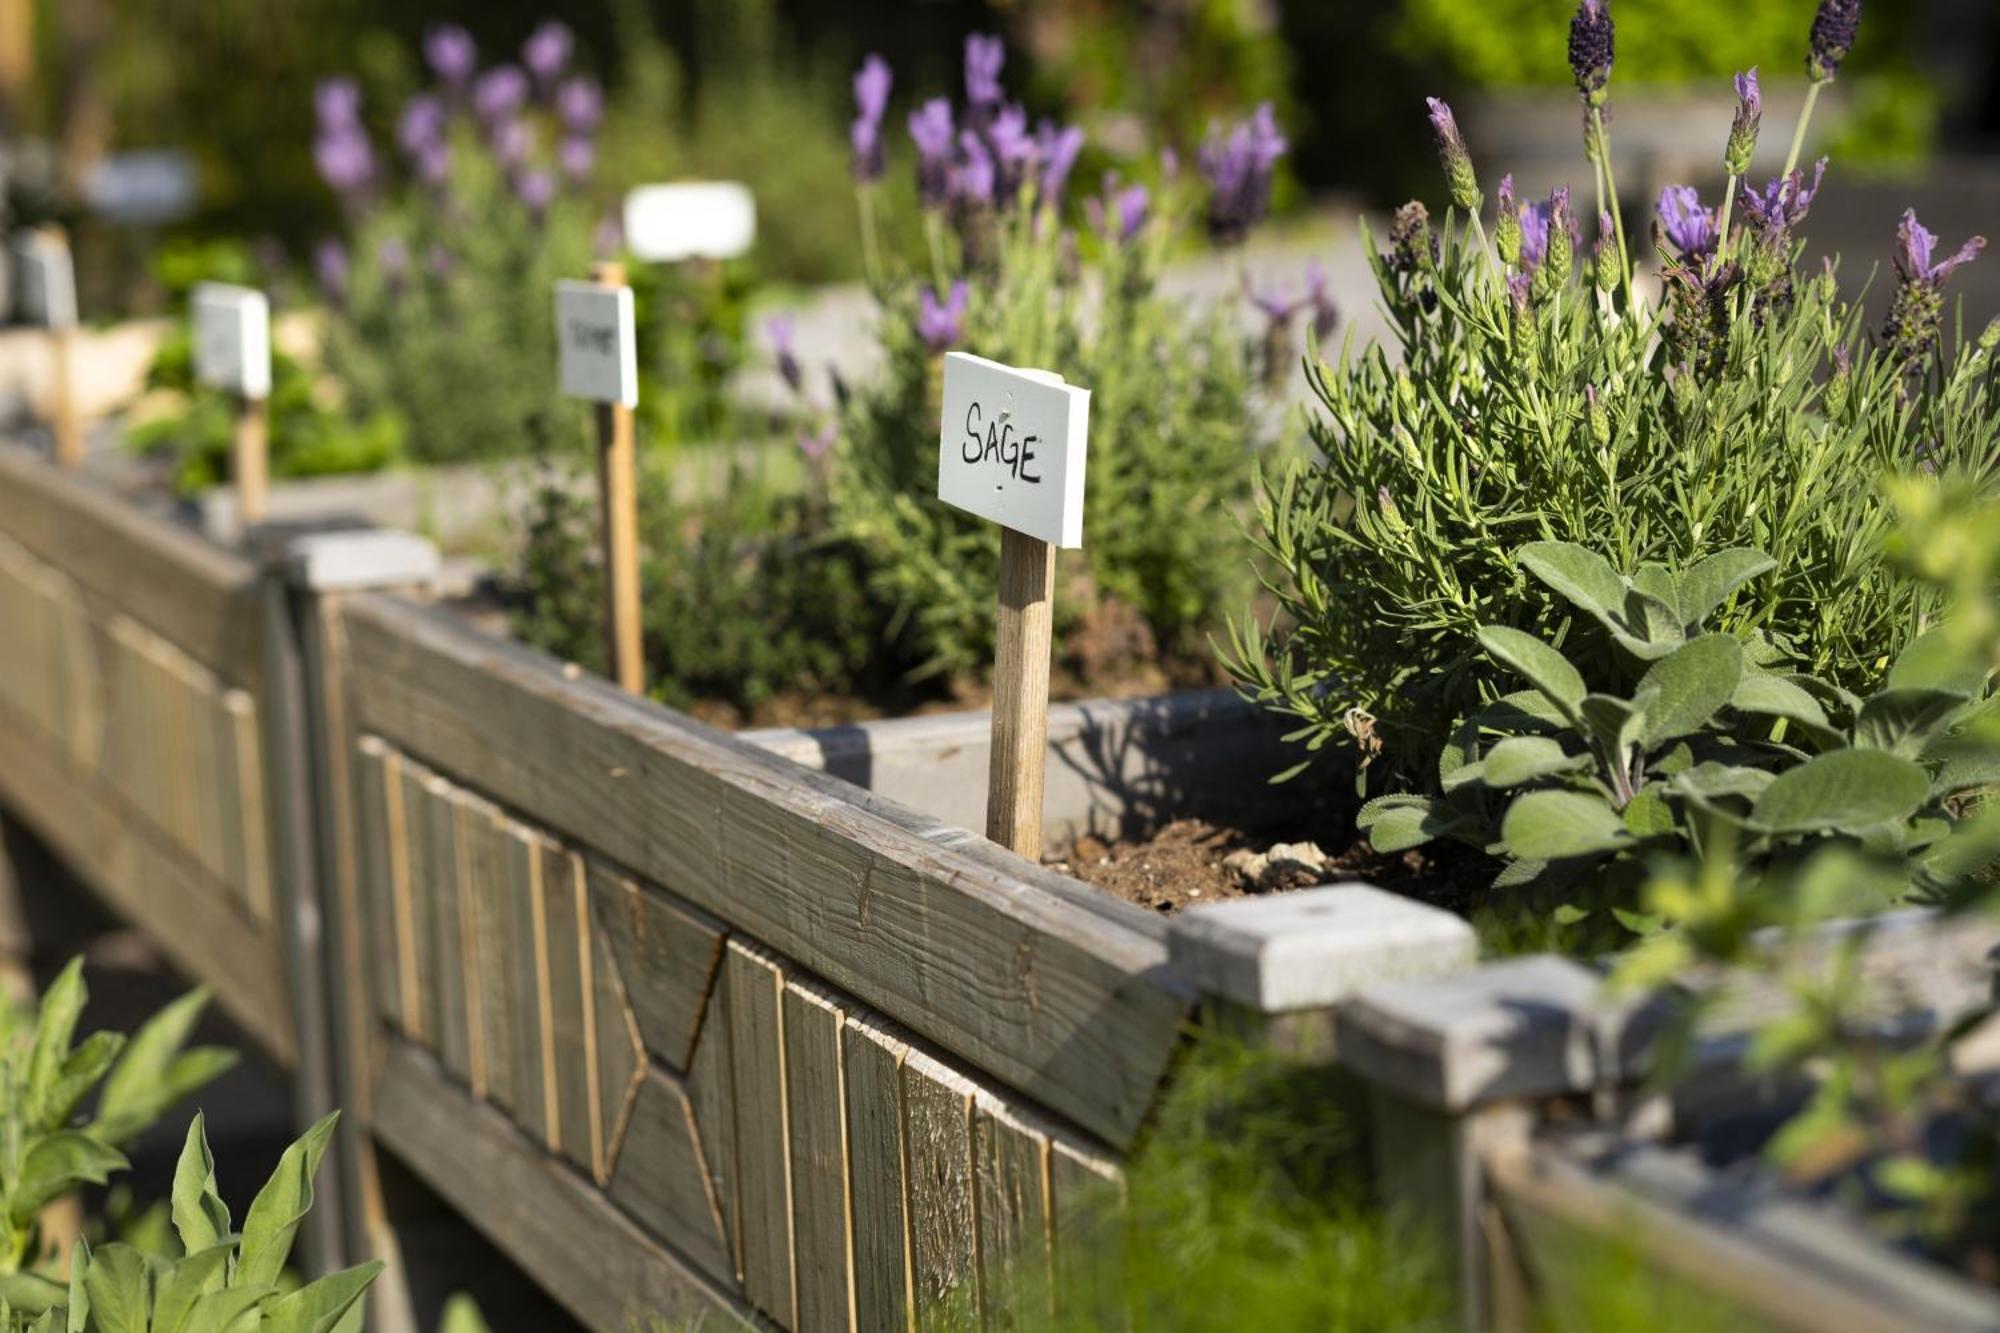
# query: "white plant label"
{"type": "Point", "coordinates": [232, 339]}
{"type": "Point", "coordinates": [1012, 445]}
{"type": "Point", "coordinates": [48, 283]}
{"type": "Point", "coordinates": [693, 220]}
{"type": "Point", "coordinates": [599, 344]}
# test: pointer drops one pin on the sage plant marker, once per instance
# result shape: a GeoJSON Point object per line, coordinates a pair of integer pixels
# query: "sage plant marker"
{"type": "Point", "coordinates": [599, 359]}
{"type": "Point", "coordinates": [232, 352]}
{"type": "Point", "coordinates": [1011, 449]}
{"type": "Point", "coordinates": [48, 298]}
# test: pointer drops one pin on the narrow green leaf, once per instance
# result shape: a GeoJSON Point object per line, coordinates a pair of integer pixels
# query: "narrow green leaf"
{"type": "Point", "coordinates": [1538, 664]}
{"type": "Point", "coordinates": [319, 1306]}
{"type": "Point", "coordinates": [57, 1163]}
{"type": "Point", "coordinates": [153, 1072]}
{"type": "Point", "coordinates": [80, 1073]}
{"type": "Point", "coordinates": [177, 1289]}
{"type": "Point", "coordinates": [1693, 683]}
{"type": "Point", "coordinates": [1843, 789]}
{"type": "Point", "coordinates": [1551, 825]}
{"type": "Point", "coordinates": [200, 1216]}
{"type": "Point", "coordinates": [274, 1216]}
{"type": "Point", "coordinates": [62, 1005]}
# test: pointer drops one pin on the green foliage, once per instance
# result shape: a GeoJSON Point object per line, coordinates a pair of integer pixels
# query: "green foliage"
{"type": "Point", "coordinates": [1655, 439]}
{"type": "Point", "coordinates": [1176, 422]}
{"type": "Point", "coordinates": [46, 1149]}
{"type": "Point", "coordinates": [1703, 746]}
{"type": "Point", "coordinates": [224, 1282]}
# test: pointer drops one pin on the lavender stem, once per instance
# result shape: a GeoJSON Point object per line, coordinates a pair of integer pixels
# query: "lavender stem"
{"type": "Point", "coordinates": [1722, 221]}
{"type": "Point", "coordinates": [1799, 134]}
{"type": "Point", "coordinates": [1617, 213]}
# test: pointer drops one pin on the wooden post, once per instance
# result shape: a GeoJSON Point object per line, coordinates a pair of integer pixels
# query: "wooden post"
{"type": "Point", "coordinates": [251, 460]}
{"type": "Point", "coordinates": [1021, 694]}
{"type": "Point", "coordinates": [618, 488]}
{"type": "Point", "coordinates": [64, 422]}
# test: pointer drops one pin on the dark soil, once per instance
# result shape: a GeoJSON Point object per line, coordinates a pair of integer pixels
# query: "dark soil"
{"type": "Point", "coordinates": [1182, 864]}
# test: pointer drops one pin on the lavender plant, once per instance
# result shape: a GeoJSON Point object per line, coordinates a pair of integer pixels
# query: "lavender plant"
{"type": "Point", "coordinates": [1176, 416]}
{"type": "Point", "coordinates": [1535, 393]}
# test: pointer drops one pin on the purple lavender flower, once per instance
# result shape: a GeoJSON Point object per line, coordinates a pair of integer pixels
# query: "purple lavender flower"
{"type": "Point", "coordinates": [1238, 167]}
{"type": "Point", "coordinates": [1015, 153]}
{"type": "Point", "coordinates": [577, 156]}
{"type": "Point", "coordinates": [871, 98]}
{"type": "Point", "coordinates": [1917, 310]}
{"type": "Point", "coordinates": [941, 323]}
{"type": "Point", "coordinates": [433, 163]}
{"type": "Point", "coordinates": [331, 267]}
{"type": "Point", "coordinates": [983, 58]}
{"type": "Point", "coordinates": [546, 52]}
{"type": "Point", "coordinates": [816, 444]}
{"type": "Point", "coordinates": [779, 330]}
{"type": "Point", "coordinates": [1782, 203]}
{"type": "Point", "coordinates": [1520, 291]}
{"type": "Point", "coordinates": [509, 139]}
{"type": "Point", "coordinates": [421, 125]}
{"type": "Point", "coordinates": [1688, 225]}
{"type": "Point", "coordinates": [536, 190]}
{"type": "Point", "coordinates": [1278, 312]}
{"type": "Point", "coordinates": [931, 127]}
{"type": "Point", "coordinates": [345, 161]}
{"type": "Point", "coordinates": [451, 54]}
{"type": "Point", "coordinates": [1325, 314]}
{"type": "Point", "coordinates": [1834, 26]}
{"type": "Point", "coordinates": [1591, 46]}
{"type": "Point", "coordinates": [973, 181]}
{"type": "Point", "coordinates": [1454, 155]}
{"type": "Point", "coordinates": [1915, 244]}
{"type": "Point", "coordinates": [1276, 309]}
{"type": "Point", "coordinates": [1743, 130]}
{"type": "Point", "coordinates": [1534, 217]}
{"type": "Point", "coordinates": [337, 105]}
{"type": "Point", "coordinates": [1059, 146]}
{"type": "Point", "coordinates": [1129, 208]}
{"type": "Point", "coordinates": [579, 105]}
{"type": "Point", "coordinates": [500, 92]}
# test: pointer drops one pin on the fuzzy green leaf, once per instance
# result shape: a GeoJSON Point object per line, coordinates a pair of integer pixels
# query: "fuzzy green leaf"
{"type": "Point", "coordinates": [1903, 721]}
{"type": "Point", "coordinates": [1936, 660]}
{"type": "Point", "coordinates": [1647, 814]}
{"type": "Point", "coordinates": [1552, 825]}
{"type": "Point", "coordinates": [1578, 574]}
{"type": "Point", "coordinates": [1773, 696]}
{"type": "Point", "coordinates": [1707, 584]}
{"type": "Point", "coordinates": [1693, 683]}
{"type": "Point", "coordinates": [1520, 759]}
{"type": "Point", "coordinates": [1538, 664]}
{"type": "Point", "coordinates": [1398, 823]}
{"type": "Point", "coordinates": [1710, 781]}
{"type": "Point", "coordinates": [1843, 789]}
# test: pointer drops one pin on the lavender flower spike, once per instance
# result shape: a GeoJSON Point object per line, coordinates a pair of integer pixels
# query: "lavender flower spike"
{"type": "Point", "coordinates": [1917, 310]}
{"type": "Point", "coordinates": [932, 130]}
{"type": "Point", "coordinates": [1688, 225]}
{"type": "Point", "coordinates": [1834, 26]}
{"type": "Point", "coordinates": [421, 125]}
{"type": "Point", "coordinates": [500, 92]}
{"type": "Point", "coordinates": [941, 323]}
{"type": "Point", "coordinates": [1058, 146]}
{"type": "Point", "coordinates": [1129, 209]}
{"type": "Point", "coordinates": [1743, 130]}
{"type": "Point", "coordinates": [1325, 314]}
{"type": "Point", "coordinates": [578, 156]}
{"type": "Point", "coordinates": [973, 181]}
{"type": "Point", "coordinates": [337, 104]}
{"type": "Point", "coordinates": [871, 99]}
{"type": "Point", "coordinates": [546, 52]}
{"type": "Point", "coordinates": [451, 54]}
{"type": "Point", "coordinates": [1591, 46]}
{"type": "Point", "coordinates": [345, 161]}
{"type": "Point", "coordinates": [1456, 157]}
{"type": "Point", "coordinates": [779, 329]}
{"type": "Point", "coordinates": [983, 58]}
{"type": "Point", "coordinates": [1238, 168]}
{"type": "Point", "coordinates": [580, 105]}
{"type": "Point", "coordinates": [1915, 245]}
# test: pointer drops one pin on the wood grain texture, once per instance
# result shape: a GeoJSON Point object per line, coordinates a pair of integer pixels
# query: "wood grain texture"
{"type": "Point", "coordinates": [1087, 1194]}
{"type": "Point", "coordinates": [621, 1059]}
{"type": "Point", "coordinates": [816, 1122]}
{"type": "Point", "coordinates": [662, 1181]}
{"type": "Point", "coordinates": [191, 592]}
{"type": "Point", "coordinates": [490, 887]}
{"type": "Point", "coordinates": [667, 953]}
{"type": "Point", "coordinates": [1011, 1156]}
{"type": "Point", "coordinates": [763, 1139]}
{"type": "Point", "coordinates": [1043, 983]}
{"type": "Point", "coordinates": [712, 1092]}
{"type": "Point", "coordinates": [1020, 753]}
{"type": "Point", "coordinates": [586, 1253]}
{"type": "Point", "coordinates": [420, 1001]}
{"type": "Point", "coordinates": [874, 1068]}
{"type": "Point", "coordinates": [568, 1022]}
{"type": "Point", "coordinates": [521, 908]}
{"type": "Point", "coordinates": [254, 821]}
{"type": "Point", "coordinates": [937, 1144]}
{"type": "Point", "coordinates": [373, 779]}
{"type": "Point", "coordinates": [451, 1032]}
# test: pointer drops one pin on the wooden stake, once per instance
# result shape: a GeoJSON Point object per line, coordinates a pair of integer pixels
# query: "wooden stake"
{"type": "Point", "coordinates": [618, 488]}
{"type": "Point", "coordinates": [1021, 694]}
{"type": "Point", "coordinates": [251, 461]}
{"type": "Point", "coordinates": [64, 422]}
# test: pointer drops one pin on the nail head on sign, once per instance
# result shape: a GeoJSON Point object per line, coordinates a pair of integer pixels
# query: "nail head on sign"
{"type": "Point", "coordinates": [1012, 446]}
{"type": "Point", "coordinates": [598, 342]}
{"type": "Point", "coordinates": [232, 339]}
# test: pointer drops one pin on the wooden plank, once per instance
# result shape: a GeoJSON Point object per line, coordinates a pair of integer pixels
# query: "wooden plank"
{"type": "Point", "coordinates": [483, 883]}
{"type": "Point", "coordinates": [574, 1241]}
{"type": "Point", "coordinates": [621, 1059]}
{"type": "Point", "coordinates": [376, 785]}
{"type": "Point", "coordinates": [569, 1030]}
{"type": "Point", "coordinates": [816, 1126]}
{"type": "Point", "coordinates": [173, 679]}
{"type": "Point", "coordinates": [146, 880]}
{"type": "Point", "coordinates": [80, 664]}
{"type": "Point", "coordinates": [1087, 1196]}
{"type": "Point", "coordinates": [874, 1072]}
{"type": "Point", "coordinates": [228, 800]}
{"type": "Point", "coordinates": [1010, 1154]}
{"type": "Point", "coordinates": [420, 1001]}
{"type": "Point", "coordinates": [1049, 986]}
{"type": "Point", "coordinates": [667, 952]}
{"type": "Point", "coordinates": [257, 890]}
{"type": "Point", "coordinates": [520, 1007]}
{"type": "Point", "coordinates": [452, 1036]}
{"type": "Point", "coordinates": [937, 1143]}
{"type": "Point", "coordinates": [763, 1140]}
{"type": "Point", "coordinates": [183, 587]}
{"type": "Point", "coordinates": [712, 1092]}
{"type": "Point", "coordinates": [125, 717]}
{"type": "Point", "coordinates": [662, 1181]}
{"type": "Point", "coordinates": [204, 773]}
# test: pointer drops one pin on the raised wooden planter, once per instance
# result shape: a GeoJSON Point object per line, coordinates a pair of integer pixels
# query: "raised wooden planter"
{"type": "Point", "coordinates": [1518, 1131]}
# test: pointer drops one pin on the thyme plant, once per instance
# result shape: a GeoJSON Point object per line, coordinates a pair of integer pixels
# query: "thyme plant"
{"type": "Point", "coordinates": [1535, 391]}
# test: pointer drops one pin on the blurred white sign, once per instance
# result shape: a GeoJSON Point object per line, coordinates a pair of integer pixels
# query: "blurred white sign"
{"type": "Point", "coordinates": [232, 339]}
{"type": "Point", "coordinates": [595, 331]}
{"type": "Point", "coordinates": [48, 283]}
{"type": "Point", "coordinates": [695, 220]}
{"type": "Point", "coordinates": [1012, 446]}
{"type": "Point", "coordinates": [142, 189]}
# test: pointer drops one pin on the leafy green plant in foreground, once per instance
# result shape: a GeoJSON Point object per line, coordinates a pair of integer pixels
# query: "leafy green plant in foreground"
{"type": "Point", "coordinates": [1703, 746]}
